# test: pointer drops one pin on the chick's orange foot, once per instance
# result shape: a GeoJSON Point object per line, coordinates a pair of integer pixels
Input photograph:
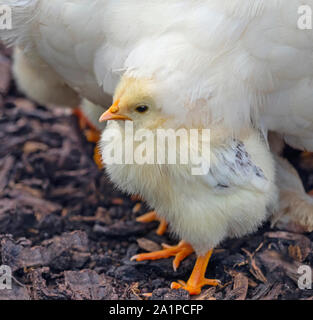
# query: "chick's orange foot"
{"type": "Point", "coordinates": [152, 216]}
{"type": "Point", "coordinates": [180, 252]}
{"type": "Point", "coordinates": [91, 133]}
{"type": "Point", "coordinates": [197, 279]}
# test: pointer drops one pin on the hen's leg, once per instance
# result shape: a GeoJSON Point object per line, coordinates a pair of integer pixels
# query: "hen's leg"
{"type": "Point", "coordinates": [88, 115]}
{"type": "Point", "coordinates": [91, 133]}
{"type": "Point", "coordinates": [197, 279]}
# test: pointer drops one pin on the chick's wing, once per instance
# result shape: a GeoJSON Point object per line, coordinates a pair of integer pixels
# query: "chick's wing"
{"type": "Point", "coordinates": [231, 166]}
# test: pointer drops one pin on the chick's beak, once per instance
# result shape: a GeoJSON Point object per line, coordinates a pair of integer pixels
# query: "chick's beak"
{"type": "Point", "coordinates": [112, 114]}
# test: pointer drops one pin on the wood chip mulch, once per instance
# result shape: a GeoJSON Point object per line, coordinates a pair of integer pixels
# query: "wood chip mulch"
{"type": "Point", "coordinates": [68, 234]}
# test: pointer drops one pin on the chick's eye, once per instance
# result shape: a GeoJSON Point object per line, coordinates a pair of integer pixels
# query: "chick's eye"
{"type": "Point", "coordinates": [142, 109]}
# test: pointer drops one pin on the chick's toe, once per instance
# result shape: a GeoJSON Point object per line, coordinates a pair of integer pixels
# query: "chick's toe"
{"type": "Point", "coordinates": [180, 252]}
{"type": "Point", "coordinates": [197, 279]}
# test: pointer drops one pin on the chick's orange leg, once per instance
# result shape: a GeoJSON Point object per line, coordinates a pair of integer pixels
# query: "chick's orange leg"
{"type": "Point", "coordinates": [152, 216]}
{"type": "Point", "coordinates": [91, 133]}
{"type": "Point", "coordinates": [197, 279]}
{"type": "Point", "coordinates": [180, 252]}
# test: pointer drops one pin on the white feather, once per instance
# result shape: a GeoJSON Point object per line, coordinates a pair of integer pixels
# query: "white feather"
{"type": "Point", "coordinates": [239, 57]}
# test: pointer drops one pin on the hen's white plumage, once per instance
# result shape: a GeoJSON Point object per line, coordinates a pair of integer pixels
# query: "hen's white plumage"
{"type": "Point", "coordinates": [247, 59]}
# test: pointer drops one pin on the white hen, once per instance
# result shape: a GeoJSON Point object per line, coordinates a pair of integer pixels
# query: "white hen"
{"type": "Point", "coordinates": [215, 60]}
{"type": "Point", "coordinates": [249, 59]}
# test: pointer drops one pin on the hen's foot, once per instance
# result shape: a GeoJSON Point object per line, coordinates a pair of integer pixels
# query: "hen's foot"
{"type": "Point", "coordinates": [97, 157]}
{"type": "Point", "coordinates": [152, 216]}
{"type": "Point", "coordinates": [180, 252]}
{"type": "Point", "coordinates": [91, 133]}
{"type": "Point", "coordinates": [197, 279]}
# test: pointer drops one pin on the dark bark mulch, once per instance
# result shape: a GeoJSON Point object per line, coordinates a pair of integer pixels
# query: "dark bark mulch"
{"type": "Point", "coordinates": [68, 234]}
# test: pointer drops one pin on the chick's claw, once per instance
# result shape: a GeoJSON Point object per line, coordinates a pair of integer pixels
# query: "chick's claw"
{"type": "Point", "coordinates": [180, 252]}
{"type": "Point", "coordinates": [152, 216]}
{"type": "Point", "coordinates": [197, 279]}
{"type": "Point", "coordinates": [194, 289]}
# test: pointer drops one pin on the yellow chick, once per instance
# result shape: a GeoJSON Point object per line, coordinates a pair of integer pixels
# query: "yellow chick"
{"type": "Point", "coordinates": [230, 199]}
